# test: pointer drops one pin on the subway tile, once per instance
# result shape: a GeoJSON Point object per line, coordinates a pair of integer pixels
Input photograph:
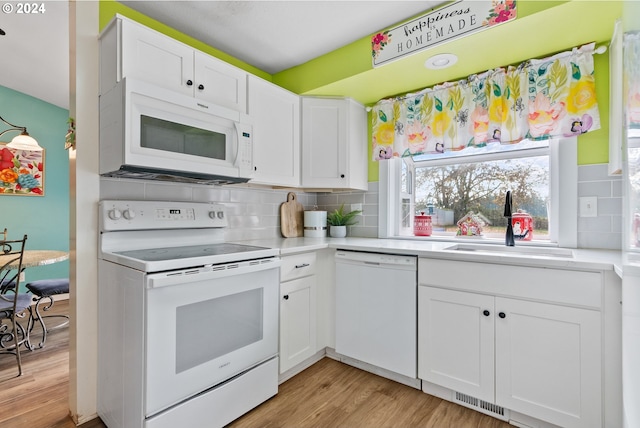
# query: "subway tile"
{"type": "Point", "coordinates": [371, 198]}
{"type": "Point", "coordinates": [597, 240]}
{"type": "Point", "coordinates": [616, 189]}
{"type": "Point", "coordinates": [594, 188]}
{"type": "Point", "coordinates": [118, 188]}
{"type": "Point", "coordinates": [211, 194]}
{"type": "Point", "coordinates": [616, 224]}
{"type": "Point", "coordinates": [594, 224]}
{"type": "Point", "coordinates": [609, 206]}
{"type": "Point", "coordinates": [596, 172]}
{"type": "Point", "coordinates": [370, 210]}
{"type": "Point", "coordinates": [168, 192]}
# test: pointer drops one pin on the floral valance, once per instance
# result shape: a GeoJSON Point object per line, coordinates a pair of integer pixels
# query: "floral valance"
{"type": "Point", "coordinates": [538, 99]}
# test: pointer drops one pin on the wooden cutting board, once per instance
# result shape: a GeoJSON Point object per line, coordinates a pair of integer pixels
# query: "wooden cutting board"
{"type": "Point", "coordinates": [291, 217]}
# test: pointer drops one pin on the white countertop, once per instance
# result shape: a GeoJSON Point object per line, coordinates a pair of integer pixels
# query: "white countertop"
{"type": "Point", "coordinates": [582, 260]}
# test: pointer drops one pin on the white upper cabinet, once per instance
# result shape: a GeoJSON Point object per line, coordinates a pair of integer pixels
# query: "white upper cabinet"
{"type": "Point", "coordinates": [334, 144]}
{"type": "Point", "coordinates": [219, 82]}
{"type": "Point", "coordinates": [129, 49]}
{"type": "Point", "coordinates": [275, 113]}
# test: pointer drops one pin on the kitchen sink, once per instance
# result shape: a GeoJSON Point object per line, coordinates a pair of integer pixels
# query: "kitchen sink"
{"type": "Point", "coordinates": [564, 253]}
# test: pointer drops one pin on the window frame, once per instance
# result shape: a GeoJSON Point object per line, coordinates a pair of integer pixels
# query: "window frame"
{"type": "Point", "coordinates": [563, 188]}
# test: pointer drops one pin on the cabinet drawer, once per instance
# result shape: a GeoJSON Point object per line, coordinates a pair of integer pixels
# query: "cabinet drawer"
{"type": "Point", "coordinates": [559, 286]}
{"type": "Point", "coordinates": [297, 266]}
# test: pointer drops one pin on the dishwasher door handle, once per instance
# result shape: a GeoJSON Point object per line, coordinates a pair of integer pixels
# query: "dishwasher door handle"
{"type": "Point", "coordinates": [372, 263]}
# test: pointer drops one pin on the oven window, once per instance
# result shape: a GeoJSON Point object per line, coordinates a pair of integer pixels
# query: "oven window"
{"type": "Point", "coordinates": [213, 328]}
{"type": "Point", "coordinates": [178, 138]}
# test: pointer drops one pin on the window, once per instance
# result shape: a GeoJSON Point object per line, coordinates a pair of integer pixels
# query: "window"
{"type": "Point", "coordinates": [452, 185]}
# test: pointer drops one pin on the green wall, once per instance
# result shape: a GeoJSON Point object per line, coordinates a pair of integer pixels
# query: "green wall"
{"type": "Point", "coordinates": [45, 219]}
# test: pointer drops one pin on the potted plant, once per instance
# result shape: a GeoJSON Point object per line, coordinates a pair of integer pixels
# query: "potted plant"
{"type": "Point", "coordinates": [339, 220]}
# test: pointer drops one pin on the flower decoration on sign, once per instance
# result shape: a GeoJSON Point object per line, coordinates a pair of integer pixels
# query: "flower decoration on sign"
{"type": "Point", "coordinates": [378, 42]}
{"type": "Point", "coordinates": [21, 172]}
{"type": "Point", "coordinates": [503, 11]}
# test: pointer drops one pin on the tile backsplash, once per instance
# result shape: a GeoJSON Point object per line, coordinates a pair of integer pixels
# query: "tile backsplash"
{"type": "Point", "coordinates": [254, 213]}
{"type": "Point", "coordinates": [367, 226]}
{"type": "Point", "coordinates": [605, 230]}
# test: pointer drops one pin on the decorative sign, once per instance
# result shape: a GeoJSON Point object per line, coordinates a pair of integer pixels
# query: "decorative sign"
{"type": "Point", "coordinates": [458, 19]}
{"type": "Point", "coordinates": [21, 172]}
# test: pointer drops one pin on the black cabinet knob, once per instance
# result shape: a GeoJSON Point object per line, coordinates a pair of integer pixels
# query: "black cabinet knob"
{"type": "Point", "coordinates": [201, 86]}
{"type": "Point", "coordinates": [341, 175]}
{"type": "Point", "coordinates": [189, 82]}
{"type": "Point", "coordinates": [502, 315]}
{"type": "Point", "coordinates": [285, 297]}
{"type": "Point", "coordinates": [486, 313]}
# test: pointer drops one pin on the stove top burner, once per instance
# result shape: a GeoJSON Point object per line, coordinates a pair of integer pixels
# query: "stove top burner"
{"type": "Point", "coordinates": [174, 253]}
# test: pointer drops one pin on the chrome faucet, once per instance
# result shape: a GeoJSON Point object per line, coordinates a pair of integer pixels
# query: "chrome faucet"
{"type": "Point", "coordinates": [508, 239]}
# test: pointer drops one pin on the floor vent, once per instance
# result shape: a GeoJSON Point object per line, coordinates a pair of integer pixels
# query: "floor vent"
{"type": "Point", "coordinates": [481, 406]}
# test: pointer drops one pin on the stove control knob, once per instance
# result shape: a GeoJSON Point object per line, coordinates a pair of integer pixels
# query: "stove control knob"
{"type": "Point", "coordinates": [129, 214]}
{"type": "Point", "coordinates": [220, 215]}
{"type": "Point", "coordinates": [212, 214]}
{"type": "Point", "coordinates": [115, 214]}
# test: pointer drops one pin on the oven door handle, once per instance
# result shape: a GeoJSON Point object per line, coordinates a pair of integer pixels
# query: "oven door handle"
{"type": "Point", "coordinates": [183, 276]}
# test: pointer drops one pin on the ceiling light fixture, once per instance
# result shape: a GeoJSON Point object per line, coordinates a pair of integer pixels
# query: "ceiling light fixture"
{"type": "Point", "coordinates": [23, 141]}
{"type": "Point", "coordinates": [441, 61]}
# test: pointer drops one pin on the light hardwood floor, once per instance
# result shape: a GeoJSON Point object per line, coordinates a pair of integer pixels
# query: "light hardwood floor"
{"type": "Point", "coordinates": [332, 394]}
{"type": "Point", "coordinates": [39, 398]}
{"type": "Point", "coordinates": [328, 394]}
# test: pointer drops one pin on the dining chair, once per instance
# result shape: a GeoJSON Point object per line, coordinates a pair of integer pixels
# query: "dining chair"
{"type": "Point", "coordinates": [43, 292]}
{"type": "Point", "coordinates": [13, 304]}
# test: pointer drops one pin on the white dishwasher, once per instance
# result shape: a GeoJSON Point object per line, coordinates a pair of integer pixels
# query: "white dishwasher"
{"type": "Point", "coordinates": [376, 309]}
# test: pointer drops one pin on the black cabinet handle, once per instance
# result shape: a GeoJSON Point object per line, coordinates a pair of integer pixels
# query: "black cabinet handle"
{"type": "Point", "coordinates": [201, 86]}
{"type": "Point", "coordinates": [486, 313]}
{"type": "Point", "coordinates": [502, 315]}
{"type": "Point", "coordinates": [285, 297]}
{"type": "Point", "coordinates": [189, 83]}
{"type": "Point", "coordinates": [341, 175]}
{"type": "Point", "coordinates": [303, 265]}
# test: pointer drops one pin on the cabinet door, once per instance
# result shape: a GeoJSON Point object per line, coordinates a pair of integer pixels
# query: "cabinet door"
{"type": "Point", "coordinates": [324, 163]}
{"type": "Point", "coordinates": [297, 321]}
{"type": "Point", "coordinates": [456, 340]}
{"type": "Point", "coordinates": [220, 83]}
{"type": "Point", "coordinates": [548, 362]}
{"type": "Point", "coordinates": [155, 58]}
{"type": "Point", "coordinates": [275, 114]}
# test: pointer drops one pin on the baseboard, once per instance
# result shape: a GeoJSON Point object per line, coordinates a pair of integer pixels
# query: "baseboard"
{"type": "Point", "coordinates": [301, 366]}
{"type": "Point", "coordinates": [405, 380]}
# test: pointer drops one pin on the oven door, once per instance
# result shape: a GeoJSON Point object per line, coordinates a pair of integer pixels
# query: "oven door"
{"type": "Point", "coordinates": [206, 325]}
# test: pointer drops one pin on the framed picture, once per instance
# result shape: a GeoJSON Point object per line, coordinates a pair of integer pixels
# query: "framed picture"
{"type": "Point", "coordinates": [21, 172]}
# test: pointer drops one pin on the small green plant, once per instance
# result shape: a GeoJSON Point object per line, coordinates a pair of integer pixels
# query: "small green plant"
{"type": "Point", "coordinates": [339, 218]}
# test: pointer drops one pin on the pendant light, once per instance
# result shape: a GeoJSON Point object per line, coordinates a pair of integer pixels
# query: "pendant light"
{"type": "Point", "coordinates": [23, 141]}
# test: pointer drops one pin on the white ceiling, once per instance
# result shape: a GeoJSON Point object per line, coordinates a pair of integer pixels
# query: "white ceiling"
{"type": "Point", "coordinates": [277, 35]}
{"type": "Point", "coordinates": [35, 52]}
{"type": "Point", "coordinates": [270, 35]}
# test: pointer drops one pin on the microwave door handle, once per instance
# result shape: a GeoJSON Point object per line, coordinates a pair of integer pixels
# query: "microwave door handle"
{"type": "Point", "coordinates": [237, 143]}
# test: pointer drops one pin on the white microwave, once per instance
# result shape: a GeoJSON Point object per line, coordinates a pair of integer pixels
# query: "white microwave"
{"type": "Point", "coordinates": [148, 132]}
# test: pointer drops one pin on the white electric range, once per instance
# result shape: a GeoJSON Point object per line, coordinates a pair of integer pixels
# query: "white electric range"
{"type": "Point", "coordinates": [188, 323]}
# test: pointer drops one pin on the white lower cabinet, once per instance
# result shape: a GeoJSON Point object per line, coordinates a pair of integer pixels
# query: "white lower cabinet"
{"type": "Point", "coordinates": [536, 358]}
{"type": "Point", "coordinates": [297, 309]}
{"type": "Point", "coordinates": [455, 341]}
{"type": "Point", "coordinates": [548, 362]}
